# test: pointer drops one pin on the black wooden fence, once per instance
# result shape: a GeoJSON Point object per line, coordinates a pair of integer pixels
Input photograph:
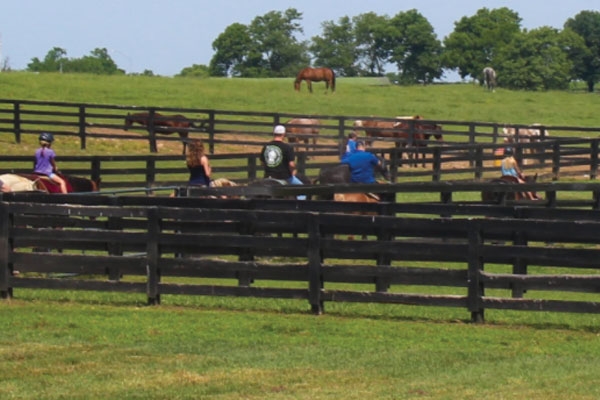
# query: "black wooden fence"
{"type": "Point", "coordinates": [559, 158]}
{"type": "Point", "coordinates": [476, 263]}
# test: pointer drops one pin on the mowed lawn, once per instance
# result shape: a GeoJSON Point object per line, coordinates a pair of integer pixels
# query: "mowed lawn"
{"type": "Point", "coordinates": [87, 345]}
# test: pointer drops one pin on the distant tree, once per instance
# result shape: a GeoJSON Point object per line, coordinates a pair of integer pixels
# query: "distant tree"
{"type": "Point", "coordinates": [98, 62]}
{"type": "Point", "coordinates": [476, 40]}
{"type": "Point", "coordinates": [53, 62]}
{"type": "Point", "coordinates": [336, 48]}
{"type": "Point", "coordinates": [538, 60]}
{"type": "Point", "coordinates": [414, 48]}
{"type": "Point", "coordinates": [267, 47]}
{"type": "Point", "coordinates": [371, 32]}
{"type": "Point", "coordinates": [232, 48]}
{"type": "Point", "coordinates": [195, 71]}
{"type": "Point", "coordinates": [5, 65]}
{"type": "Point", "coordinates": [587, 25]}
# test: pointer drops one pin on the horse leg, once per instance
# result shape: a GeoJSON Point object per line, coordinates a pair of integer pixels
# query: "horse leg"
{"type": "Point", "coordinates": [309, 84]}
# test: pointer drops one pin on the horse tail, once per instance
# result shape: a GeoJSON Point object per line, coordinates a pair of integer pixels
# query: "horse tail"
{"type": "Point", "coordinates": [332, 80]}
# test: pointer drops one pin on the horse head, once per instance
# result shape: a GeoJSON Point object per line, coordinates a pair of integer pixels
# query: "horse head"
{"type": "Point", "coordinates": [128, 121]}
{"type": "Point", "coordinates": [383, 169]}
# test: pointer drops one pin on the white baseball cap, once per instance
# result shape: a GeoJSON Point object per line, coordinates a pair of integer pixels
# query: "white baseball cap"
{"type": "Point", "coordinates": [279, 130]}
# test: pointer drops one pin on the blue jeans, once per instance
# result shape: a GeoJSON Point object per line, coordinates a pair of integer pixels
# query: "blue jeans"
{"type": "Point", "coordinates": [295, 181]}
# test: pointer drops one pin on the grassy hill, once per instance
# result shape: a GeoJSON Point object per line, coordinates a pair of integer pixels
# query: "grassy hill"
{"type": "Point", "coordinates": [354, 97]}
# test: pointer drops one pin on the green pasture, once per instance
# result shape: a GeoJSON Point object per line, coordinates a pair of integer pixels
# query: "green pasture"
{"type": "Point", "coordinates": [353, 97]}
{"type": "Point", "coordinates": [88, 345]}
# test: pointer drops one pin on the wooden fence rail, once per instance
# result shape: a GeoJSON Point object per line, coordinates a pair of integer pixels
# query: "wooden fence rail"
{"type": "Point", "coordinates": [473, 263]}
{"type": "Point", "coordinates": [554, 159]}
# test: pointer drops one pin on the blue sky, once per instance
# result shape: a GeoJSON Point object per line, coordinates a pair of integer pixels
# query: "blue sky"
{"type": "Point", "coordinates": [166, 36]}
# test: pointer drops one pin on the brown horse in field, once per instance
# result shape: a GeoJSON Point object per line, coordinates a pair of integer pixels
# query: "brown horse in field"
{"type": "Point", "coordinates": [315, 75]}
{"type": "Point", "coordinates": [300, 127]}
{"type": "Point", "coordinates": [163, 124]}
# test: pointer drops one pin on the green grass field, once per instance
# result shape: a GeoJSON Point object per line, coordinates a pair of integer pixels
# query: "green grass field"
{"type": "Point", "coordinates": [85, 345]}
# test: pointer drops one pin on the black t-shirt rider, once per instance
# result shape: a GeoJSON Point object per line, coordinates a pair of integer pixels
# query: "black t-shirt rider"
{"type": "Point", "coordinates": [276, 157]}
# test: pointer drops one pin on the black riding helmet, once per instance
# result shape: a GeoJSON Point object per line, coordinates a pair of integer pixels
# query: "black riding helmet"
{"type": "Point", "coordinates": [46, 137]}
{"type": "Point", "coordinates": [508, 151]}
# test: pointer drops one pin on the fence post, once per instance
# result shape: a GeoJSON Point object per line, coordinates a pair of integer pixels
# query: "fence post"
{"type": "Point", "coordinates": [152, 256]}
{"type": "Point", "coordinates": [82, 127]}
{"type": "Point", "coordinates": [95, 166]}
{"type": "Point", "coordinates": [211, 132]}
{"type": "Point", "coordinates": [315, 278]}
{"type": "Point", "coordinates": [150, 172]}
{"type": "Point", "coordinates": [114, 248]}
{"type": "Point", "coordinates": [437, 164]}
{"type": "Point", "coordinates": [152, 131]}
{"type": "Point", "coordinates": [17, 121]}
{"type": "Point", "coordinates": [475, 286]}
{"type": "Point", "coordinates": [555, 160]}
{"type": "Point", "coordinates": [341, 136]}
{"type": "Point", "coordinates": [5, 267]}
{"type": "Point", "coordinates": [384, 235]}
{"type": "Point", "coordinates": [519, 264]}
{"type": "Point", "coordinates": [251, 167]}
{"type": "Point", "coordinates": [594, 159]}
{"type": "Point", "coordinates": [479, 162]}
{"type": "Point", "coordinates": [471, 143]}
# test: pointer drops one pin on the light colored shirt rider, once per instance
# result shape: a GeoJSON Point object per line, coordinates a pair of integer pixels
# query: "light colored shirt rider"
{"type": "Point", "coordinates": [509, 165]}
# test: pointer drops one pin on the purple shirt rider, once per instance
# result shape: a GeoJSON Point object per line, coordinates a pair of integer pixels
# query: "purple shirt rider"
{"type": "Point", "coordinates": [43, 161]}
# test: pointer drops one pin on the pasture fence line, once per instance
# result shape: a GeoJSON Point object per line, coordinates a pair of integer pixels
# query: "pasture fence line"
{"type": "Point", "coordinates": [153, 246]}
{"type": "Point", "coordinates": [228, 127]}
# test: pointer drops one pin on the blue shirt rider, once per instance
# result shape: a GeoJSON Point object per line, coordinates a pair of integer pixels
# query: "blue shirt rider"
{"type": "Point", "coordinates": [350, 145]}
{"type": "Point", "coordinates": [362, 165]}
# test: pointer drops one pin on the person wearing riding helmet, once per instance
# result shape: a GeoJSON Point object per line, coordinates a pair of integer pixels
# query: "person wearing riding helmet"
{"type": "Point", "coordinates": [510, 166]}
{"type": "Point", "coordinates": [44, 161]}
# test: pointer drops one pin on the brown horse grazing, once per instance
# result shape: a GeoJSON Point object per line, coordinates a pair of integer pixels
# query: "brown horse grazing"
{"type": "Point", "coordinates": [163, 124]}
{"type": "Point", "coordinates": [498, 197]}
{"type": "Point", "coordinates": [299, 127]}
{"type": "Point", "coordinates": [310, 75]}
{"type": "Point", "coordinates": [75, 184]}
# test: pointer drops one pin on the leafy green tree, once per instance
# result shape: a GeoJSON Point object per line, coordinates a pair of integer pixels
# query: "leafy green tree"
{"type": "Point", "coordinates": [372, 34]}
{"type": "Point", "coordinates": [587, 25]}
{"type": "Point", "coordinates": [232, 48]}
{"type": "Point", "coordinates": [53, 62]}
{"type": "Point", "coordinates": [274, 35]}
{"type": "Point", "coordinates": [414, 48]}
{"type": "Point", "coordinates": [336, 48]}
{"type": "Point", "coordinates": [98, 62]}
{"type": "Point", "coordinates": [195, 71]}
{"type": "Point", "coordinates": [476, 40]}
{"type": "Point", "coordinates": [267, 47]}
{"type": "Point", "coordinates": [538, 60]}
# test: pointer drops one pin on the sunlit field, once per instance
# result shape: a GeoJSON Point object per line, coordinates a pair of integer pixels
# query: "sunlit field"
{"type": "Point", "coordinates": [82, 345]}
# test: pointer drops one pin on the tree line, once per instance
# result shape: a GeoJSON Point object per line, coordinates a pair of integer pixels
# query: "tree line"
{"type": "Point", "coordinates": [368, 44]}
